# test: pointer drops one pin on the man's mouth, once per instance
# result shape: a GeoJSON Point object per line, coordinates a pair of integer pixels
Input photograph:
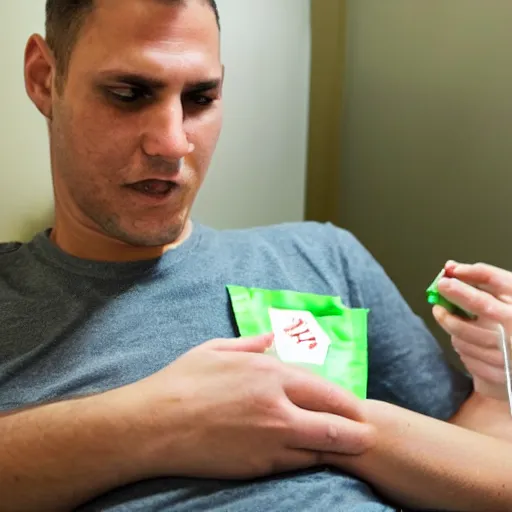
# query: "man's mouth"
{"type": "Point", "coordinates": [155, 188]}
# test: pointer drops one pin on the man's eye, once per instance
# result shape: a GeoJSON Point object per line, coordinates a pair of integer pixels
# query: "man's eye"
{"type": "Point", "coordinates": [200, 100]}
{"type": "Point", "coordinates": [129, 94]}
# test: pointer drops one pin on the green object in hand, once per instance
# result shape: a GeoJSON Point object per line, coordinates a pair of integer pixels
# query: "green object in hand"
{"type": "Point", "coordinates": [435, 298]}
{"type": "Point", "coordinates": [312, 331]}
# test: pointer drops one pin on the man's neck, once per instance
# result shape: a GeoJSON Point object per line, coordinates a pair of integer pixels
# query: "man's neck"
{"type": "Point", "coordinates": [89, 243]}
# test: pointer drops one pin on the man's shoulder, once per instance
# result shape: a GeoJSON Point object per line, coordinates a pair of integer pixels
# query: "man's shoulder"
{"type": "Point", "coordinates": [10, 254]}
{"type": "Point", "coordinates": [14, 260]}
{"type": "Point", "coordinates": [309, 256]}
{"type": "Point", "coordinates": [300, 247]}
{"type": "Point", "coordinates": [15, 265]}
{"type": "Point", "coordinates": [315, 234]}
{"type": "Point", "coordinates": [7, 248]}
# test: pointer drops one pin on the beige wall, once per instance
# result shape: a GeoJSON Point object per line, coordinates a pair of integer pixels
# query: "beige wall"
{"type": "Point", "coordinates": [427, 135]}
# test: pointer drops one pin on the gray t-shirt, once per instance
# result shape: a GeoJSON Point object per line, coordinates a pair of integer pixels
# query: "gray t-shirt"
{"type": "Point", "coordinates": [70, 327]}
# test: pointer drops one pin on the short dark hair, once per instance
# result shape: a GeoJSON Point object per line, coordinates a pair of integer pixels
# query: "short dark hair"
{"type": "Point", "coordinates": [64, 20]}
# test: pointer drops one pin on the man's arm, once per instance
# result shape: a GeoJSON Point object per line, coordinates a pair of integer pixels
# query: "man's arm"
{"type": "Point", "coordinates": [58, 456]}
{"type": "Point", "coordinates": [426, 464]}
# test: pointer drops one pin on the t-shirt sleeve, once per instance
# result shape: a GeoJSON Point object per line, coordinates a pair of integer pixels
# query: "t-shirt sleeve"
{"type": "Point", "coordinates": [407, 366]}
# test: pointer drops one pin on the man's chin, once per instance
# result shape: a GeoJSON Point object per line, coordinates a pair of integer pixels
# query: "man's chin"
{"type": "Point", "coordinates": [168, 237]}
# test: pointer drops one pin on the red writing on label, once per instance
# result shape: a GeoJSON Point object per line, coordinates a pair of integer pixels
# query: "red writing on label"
{"type": "Point", "coordinates": [300, 333]}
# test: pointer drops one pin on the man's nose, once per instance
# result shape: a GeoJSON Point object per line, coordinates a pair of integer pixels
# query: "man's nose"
{"type": "Point", "coordinates": [165, 136]}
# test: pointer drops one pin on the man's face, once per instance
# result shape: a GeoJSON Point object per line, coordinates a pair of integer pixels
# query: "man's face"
{"type": "Point", "coordinates": [135, 126]}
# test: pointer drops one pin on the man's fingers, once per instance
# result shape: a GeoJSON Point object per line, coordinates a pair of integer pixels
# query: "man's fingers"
{"type": "Point", "coordinates": [313, 393]}
{"type": "Point", "coordinates": [474, 300]}
{"type": "Point", "coordinates": [490, 356]}
{"type": "Point", "coordinates": [325, 432]}
{"type": "Point", "coordinates": [324, 416]}
{"type": "Point", "coordinates": [496, 281]}
{"type": "Point", "coordinates": [256, 344]}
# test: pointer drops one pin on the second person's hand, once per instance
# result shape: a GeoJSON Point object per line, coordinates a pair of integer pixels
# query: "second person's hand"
{"type": "Point", "coordinates": [486, 291]}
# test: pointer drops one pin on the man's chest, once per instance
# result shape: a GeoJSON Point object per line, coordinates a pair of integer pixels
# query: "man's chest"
{"type": "Point", "coordinates": [66, 344]}
{"type": "Point", "coordinates": [89, 337]}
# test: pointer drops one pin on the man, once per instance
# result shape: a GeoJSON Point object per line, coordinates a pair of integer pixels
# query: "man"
{"type": "Point", "coordinates": [113, 398]}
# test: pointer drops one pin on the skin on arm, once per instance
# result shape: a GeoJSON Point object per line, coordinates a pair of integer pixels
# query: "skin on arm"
{"type": "Point", "coordinates": [486, 415]}
{"type": "Point", "coordinates": [426, 464]}
{"type": "Point", "coordinates": [55, 457]}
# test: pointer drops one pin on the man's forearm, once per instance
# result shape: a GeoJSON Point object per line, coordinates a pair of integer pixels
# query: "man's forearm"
{"type": "Point", "coordinates": [427, 464]}
{"type": "Point", "coordinates": [55, 457]}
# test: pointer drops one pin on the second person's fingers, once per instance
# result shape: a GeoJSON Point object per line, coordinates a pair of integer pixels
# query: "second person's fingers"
{"type": "Point", "coordinates": [474, 300]}
{"type": "Point", "coordinates": [490, 356]}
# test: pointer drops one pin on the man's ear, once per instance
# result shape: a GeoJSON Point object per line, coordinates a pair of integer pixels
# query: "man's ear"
{"type": "Point", "coordinates": [39, 72]}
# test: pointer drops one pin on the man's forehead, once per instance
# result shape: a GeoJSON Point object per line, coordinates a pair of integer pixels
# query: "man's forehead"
{"type": "Point", "coordinates": [152, 22]}
{"type": "Point", "coordinates": [151, 34]}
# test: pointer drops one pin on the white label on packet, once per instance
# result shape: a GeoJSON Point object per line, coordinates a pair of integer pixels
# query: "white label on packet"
{"type": "Point", "coordinates": [298, 337]}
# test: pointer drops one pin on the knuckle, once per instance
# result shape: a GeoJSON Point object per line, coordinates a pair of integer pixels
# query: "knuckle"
{"type": "Point", "coordinates": [333, 435]}
{"type": "Point", "coordinates": [486, 306]}
{"type": "Point", "coordinates": [331, 394]}
{"type": "Point", "coordinates": [449, 323]}
{"type": "Point", "coordinates": [270, 406]}
{"type": "Point", "coordinates": [482, 269]}
{"type": "Point", "coordinates": [353, 441]}
{"type": "Point", "coordinates": [266, 364]}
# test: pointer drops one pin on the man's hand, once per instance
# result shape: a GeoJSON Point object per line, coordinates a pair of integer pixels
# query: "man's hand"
{"type": "Point", "coordinates": [487, 292]}
{"type": "Point", "coordinates": [226, 410]}
{"type": "Point", "coordinates": [222, 410]}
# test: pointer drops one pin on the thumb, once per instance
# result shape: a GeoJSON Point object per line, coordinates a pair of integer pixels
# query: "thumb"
{"type": "Point", "coordinates": [256, 344]}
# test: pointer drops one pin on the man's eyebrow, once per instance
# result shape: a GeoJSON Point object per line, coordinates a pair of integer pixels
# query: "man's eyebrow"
{"type": "Point", "coordinates": [139, 80]}
{"type": "Point", "coordinates": [207, 85]}
{"type": "Point", "coordinates": [135, 79]}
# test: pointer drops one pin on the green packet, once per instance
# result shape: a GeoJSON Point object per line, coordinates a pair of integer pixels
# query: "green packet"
{"type": "Point", "coordinates": [435, 298]}
{"type": "Point", "coordinates": [312, 331]}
